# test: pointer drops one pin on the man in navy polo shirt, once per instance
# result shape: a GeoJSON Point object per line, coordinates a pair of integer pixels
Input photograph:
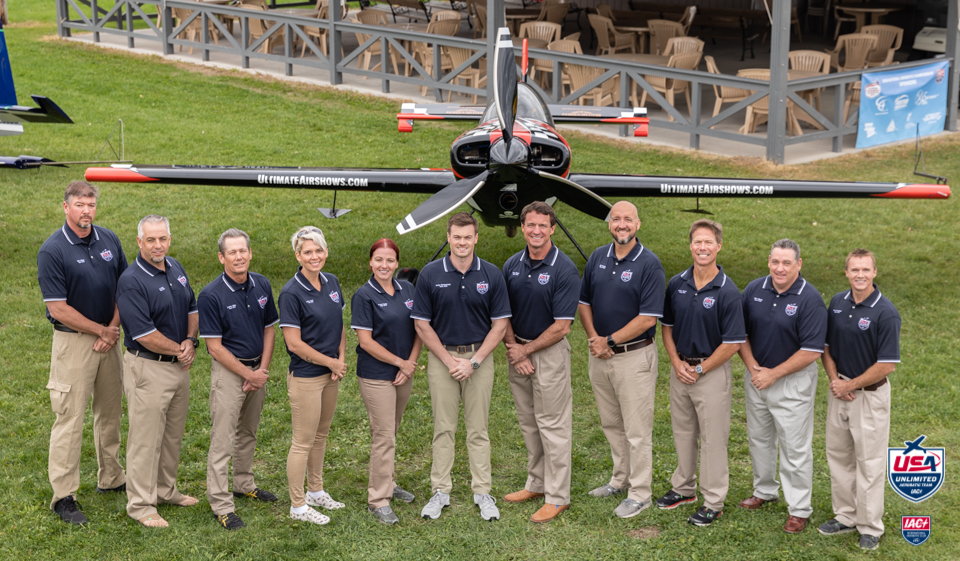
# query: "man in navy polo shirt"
{"type": "Point", "coordinates": [863, 348]}
{"type": "Point", "coordinates": [786, 329]}
{"type": "Point", "coordinates": [78, 268]}
{"type": "Point", "coordinates": [461, 312]}
{"type": "Point", "coordinates": [621, 297]}
{"type": "Point", "coordinates": [237, 315]}
{"type": "Point", "coordinates": [543, 285]}
{"type": "Point", "coordinates": [702, 328]}
{"type": "Point", "coordinates": [158, 312]}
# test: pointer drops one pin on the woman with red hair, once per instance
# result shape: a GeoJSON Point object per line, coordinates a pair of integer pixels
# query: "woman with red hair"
{"type": "Point", "coordinates": [386, 362]}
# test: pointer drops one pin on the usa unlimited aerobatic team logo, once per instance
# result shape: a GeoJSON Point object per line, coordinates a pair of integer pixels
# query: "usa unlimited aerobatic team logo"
{"type": "Point", "coordinates": [335, 296]}
{"type": "Point", "coordinates": [708, 302]}
{"type": "Point", "coordinates": [107, 255]}
{"type": "Point", "coordinates": [409, 304]}
{"type": "Point", "coordinates": [262, 301]}
{"type": "Point", "coordinates": [183, 280]}
{"type": "Point", "coordinates": [626, 276]}
{"type": "Point", "coordinates": [483, 287]}
{"type": "Point", "coordinates": [914, 472]}
{"type": "Point", "coordinates": [864, 324]}
{"type": "Point", "coordinates": [791, 309]}
{"type": "Point", "coordinates": [544, 278]}
{"type": "Point", "coordinates": [915, 529]}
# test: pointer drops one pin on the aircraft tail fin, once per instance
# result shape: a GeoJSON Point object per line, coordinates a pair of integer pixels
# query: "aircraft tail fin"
{"type": "Point", "coordinates": [8, 95]}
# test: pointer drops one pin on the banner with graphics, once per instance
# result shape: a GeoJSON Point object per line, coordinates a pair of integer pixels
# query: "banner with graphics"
{"type": "Point", "coordinates": [895, 102]}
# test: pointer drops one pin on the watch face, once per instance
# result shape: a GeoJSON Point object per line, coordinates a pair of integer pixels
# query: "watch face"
{"type": "Point", "coordinates": [610, 342]}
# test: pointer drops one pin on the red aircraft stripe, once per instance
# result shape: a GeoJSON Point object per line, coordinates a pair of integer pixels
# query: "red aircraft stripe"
{"type": "Point", "coordinates": [116, 175]}
{"type": "Point", "coordinates": [418, 116]}
{"type": "Point", "coordinates": [918, 191]}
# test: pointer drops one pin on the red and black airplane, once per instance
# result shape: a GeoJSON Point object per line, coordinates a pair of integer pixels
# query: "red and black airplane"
{"type": "Point", "coordinates": [513, 157]}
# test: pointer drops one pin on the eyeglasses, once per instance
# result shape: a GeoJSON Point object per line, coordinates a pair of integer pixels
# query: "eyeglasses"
{"type": "Point", "coordinates": [309, 231]}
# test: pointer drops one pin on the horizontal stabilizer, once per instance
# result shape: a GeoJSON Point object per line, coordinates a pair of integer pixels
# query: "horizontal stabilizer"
{"type": "Point", "coordinates": [48, 112]}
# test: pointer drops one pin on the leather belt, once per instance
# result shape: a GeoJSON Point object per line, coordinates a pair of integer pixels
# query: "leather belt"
{"type": "Point", "coordinates": [522, 340]}
{"type": "Point", "coordinates": [632, 346]}
{"type": "Point", "coordinates": [463, 349]}
{"type": "Point", "coordinates": [61, 327]}
{"type": "Point", "coordinates": [152, 356]}
{"type": "Point", "coordinates": [250, 362]}
{"type": "Point", "coordinates": [871, 388]}
{"type": "Point", "coordinates": [691, 361]}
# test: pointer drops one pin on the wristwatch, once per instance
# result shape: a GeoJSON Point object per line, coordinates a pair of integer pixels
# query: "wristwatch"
{"type": "Point", "coordinates": [610, 342]}
{"type": "Point", "coordinates": [699, 370]}
{"type": "Point", "coordinates": [196, 342]}
{"type": "Point", "coordinates": [474, 364]}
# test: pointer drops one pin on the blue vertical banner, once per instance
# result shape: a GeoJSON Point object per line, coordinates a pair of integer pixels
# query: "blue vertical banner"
{"type": "Point", "coordinates": [895, 102]}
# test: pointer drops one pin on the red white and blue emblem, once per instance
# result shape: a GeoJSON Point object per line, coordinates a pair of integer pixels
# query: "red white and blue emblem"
{"type": "Point", "coordinates": [335, 296]}
{"type": "Point", "coordinates": [262, 301]}
{"type": "Point", "coordinates": [626, 276]}
{"type": "Point", "coordinates": [915, 472]}
{"type": "Point", "coordinates": [915, 529]}
{"type": "Point", "coordinates": [107, 255]}
{"type": "Point", "coordinates": [544, 278]}
{"type": "Point", "coordinates": [791, 309]}
{"type": "Point", "coordinates": [409, 304]}
{"type": "Point", "coordinates": [708, 302]}
{"type": "Point", "coordinates": [183, 280]}
{"type": "Point", "coordinates": [483, 287]}
{"type": "Point", "coordinates": [864, 323]}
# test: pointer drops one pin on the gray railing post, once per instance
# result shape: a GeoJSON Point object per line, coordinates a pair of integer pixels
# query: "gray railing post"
{"type": "Point", "coordinates": [166, 15]}
{"type": "Point", "coordinates": [94, 17]}
{"type": "Point", "coordinates": [838, 99]}
{"type": "Point", "coordinates": [204, 36]}
{"type": "Point", "coordinates": [288, 49]}
{"type": "Point", "coordinates": [779, 47]}
{"type": "Point", "coordinates": [696, 92]}
{"type": "Point", "coordinates": [334, 11]}
{"type": "Point", "coordinates": [624, 98]}
{"type": "Point", "coordinates": [953, 13]}
{"type": "Point", "coordinates": [129, 16]}
{"type": "Point", "coordinates": [384, 58]}
{"type": "Point", "coordinates": [63, 12]}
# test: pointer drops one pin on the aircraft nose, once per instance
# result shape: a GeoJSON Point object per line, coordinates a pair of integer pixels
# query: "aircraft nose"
{"type": "Point", "coordinates": [505, 153]}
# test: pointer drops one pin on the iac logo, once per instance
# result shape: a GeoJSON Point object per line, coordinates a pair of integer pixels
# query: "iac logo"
{"type": "Point", "coordinates": [914, 472]}
{"type": "Point", "coordinates": [915, 529]}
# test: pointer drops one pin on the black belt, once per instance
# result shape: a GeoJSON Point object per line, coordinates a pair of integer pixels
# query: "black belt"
{"type": "Point", "coordinates": [522, 340]}
{"type": "Point", "coordinates": [60, 327]}
{"type": "Point", "coordinates": [691, 361]}
{"type": "Point", "coordinates": [872, 387]}
{"type": "Point", "coordinates": [632, 346]}
{"type": "Point", "coordinates": [152, 356]}
{"type": "Point", "coordinates": [463, 349]}
{"type": "Point", "coordinates": [250, 362]}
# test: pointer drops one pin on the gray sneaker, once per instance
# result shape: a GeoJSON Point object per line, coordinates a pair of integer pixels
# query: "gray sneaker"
{"type": "Point", "coordinates": [606, 490]}
{"type": "Point", "coordinates": [833, 527]}
{"type": "Point", "coordinates": [403, 495]}
{"type": "Point", "coordinates": [488, 506]}
{"type": "Point", "coordinates": [868, 542]}
{"type": "Point", "coordinates": [629, 508]}
{"type": "Point", "coordinates": [384, 514]}
{"type": "Point", "coordinates": [437, 503]}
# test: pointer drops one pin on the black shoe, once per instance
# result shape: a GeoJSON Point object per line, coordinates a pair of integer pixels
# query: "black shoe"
{"type": "Point", "coordinates": [68, 510]}
{"type": "Point", "coordinates": [259, 494]}
{"type": "Point", "coordinates": [229, 521]}
{"type": "Point", "coordinates": [833, 527]}
{"type": "Point", "coordinates": [673, 499]}
{"type": "Point", "coordinates": [868, 542]}
{"type": "Point", "coordinates": [122, 488]}
{"type": "Point", "coordinates": [704, 517]}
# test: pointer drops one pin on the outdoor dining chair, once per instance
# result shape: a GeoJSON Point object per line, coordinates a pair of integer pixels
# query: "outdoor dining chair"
{"type": "Point", "coordinates": [565, 45]}
{"type": "Point", "coordinates": [194, 29]}
{"type": "Point", "coordinates": [670, 87]}
{"type": "Point", "coordinates": [724, 94]}
{"type": "Point", "coordinates": [609, 40]}
{"type": "Point", "coordinates": [259, 27]}
{"type": "Point", "coordinates": [680, 45]}
{"type": "Point", "coordinates": [889, 40]}
{"type": "Point", "coordinates": [660, 31]}
{"type": "Point", "coordinates": [581, 75]}
{"type": "Point", "coordinates": [759, 111]}
{"type": "Point", "coordinates": [471, 76]}
{"type": "Point", "coordinates": [856, 48]}
{"type": "Point", "coordinates": [810, 61]}
{"type": "Point", "coordinates": [378, 18]}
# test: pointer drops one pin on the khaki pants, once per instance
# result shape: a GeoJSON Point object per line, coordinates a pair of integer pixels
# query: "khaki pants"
{"type": "Point", "coordinates": [857, 435]}
{"type": "Point", "coordinates": [76, 373]}
{"type": "Point", "coordinates": [783, 414]}
{"type": "Point", "coordinates": [700, 416]}
{"type": "Point", "coordinates": [385, 405]}
{"type": "Point", "coordinates": [624, 387]}
{"type": "Point", "coordinates": [158, 397]}
{"type": "Point", "coordinates": [544, 404]}
{"type": "Point", "coordinates": [312, 404]}
{"type": "Point", "coordinates": [446, 393]}
{"type": "Point", "coordinates": [235, 416]}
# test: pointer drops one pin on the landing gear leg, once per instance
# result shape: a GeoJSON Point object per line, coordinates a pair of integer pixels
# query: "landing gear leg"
{"type": "Point", "coordinates": [567, 232]}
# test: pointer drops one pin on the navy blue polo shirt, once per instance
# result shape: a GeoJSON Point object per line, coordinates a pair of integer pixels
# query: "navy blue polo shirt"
{"type": "Point", "coordinates": [703, 319]}
{"type": "Point", "coordinates": [317, 314]}
{"type": "Point", "coordinates": [237, 314]}
{"type": "Point", "coordinates": [860, 335]}
{"type": "Point", "coordinates": [388, 318]}
{"type": "Point", "coordinates": [541, 294]}
{"type": "Point", "coordinates": [620, 290]}
{"type": "Point", "coordinates": [780, 324]}
{"type": "Point", "coordinates": [461, 306]}
{"type": "Point", "coordinates": [82, 271]}
{"type": "Point", "coordinates": [153, 300]}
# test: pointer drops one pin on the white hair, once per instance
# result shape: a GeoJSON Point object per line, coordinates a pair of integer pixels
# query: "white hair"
{"type": "Point", "coordinates": [152, 218]}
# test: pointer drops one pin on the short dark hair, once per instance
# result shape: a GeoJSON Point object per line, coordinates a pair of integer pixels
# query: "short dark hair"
{"type": "Point", "coordinates": [462, 219]}
{"type": "Point", "coordinates": [707, 224]}
{"type": "Point", "coordinates": [786, 243]}
{"type": "Point", "coordinates": [860, 252]}
{"type": "Point", "coordinates": [539, 207]}
{"type": "Point", "coordinates": [231, 233]}
{"type": "Point", "coordinates": [80, 189]}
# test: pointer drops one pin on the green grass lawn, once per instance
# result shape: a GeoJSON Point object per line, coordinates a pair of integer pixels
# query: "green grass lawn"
{"type": "Point", "coordinates": [177, 114]}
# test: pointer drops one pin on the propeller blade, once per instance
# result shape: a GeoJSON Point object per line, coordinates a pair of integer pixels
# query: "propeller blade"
{"type": "Point", "coordinates": [505, 83]}
{"type": "Point", "coordinates": [443, 202]}
{"type": "Point", "coordinates": [577, 196]}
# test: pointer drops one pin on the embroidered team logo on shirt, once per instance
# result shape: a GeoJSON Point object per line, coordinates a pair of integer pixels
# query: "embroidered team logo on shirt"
{"type": "Point", "coordinates": [483, 287]}
{"type": "Point", "coordinates": [409, 304]}
{"type": "Point", "coordinates": [708, 302]}
{"type": "Point", "coordinates": [864, 324]}
{"type": "Point", "coordinates": [626, 276]}
{"type": "Point", "coordinates": [544, 278]}
{"type": "Point", "coordinates": [106, 255]}
{"type": "Point", "coordinates": [335, 296]}
{"type": "Point", "coordinates": [791, 309]}
{"type": "Point", "coordinates": [183, 280]}
{"type": "Point", "coordinates": [262, 301]}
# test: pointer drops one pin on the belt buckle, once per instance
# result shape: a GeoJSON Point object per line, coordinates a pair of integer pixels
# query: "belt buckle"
{"type": "Point", "coordinates": [462, 349]}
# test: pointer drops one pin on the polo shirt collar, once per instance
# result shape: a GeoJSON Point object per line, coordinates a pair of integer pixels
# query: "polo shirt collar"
{"type": "Point", "coordinates": [449, 268]}
{"type": "Point", "coordinates": [550, 259]}
{"type": "Point", "coordinates": [235, 286]}
{"type": "Point", "coordinates": [374, 284]}
{"type": "Point", "coordinates": [74, 239]}
{"type": "Point", "coordinates": [718, 281]}
{"type": "Point", "coordinates": [796, 288]}
{"type": "Point", "coordinates": [303, 282]}
{"type": "Point", "coordinates": [149, 267]}
{"type": "Point", "coordinates": [870, 302]}
{"type": "Point", "coordinates": [632, 256]}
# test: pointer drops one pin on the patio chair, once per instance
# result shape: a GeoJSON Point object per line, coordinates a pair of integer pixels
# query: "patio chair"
{"type": "Point", "coordinates": [439, 15]}
{"type": "Point", "coordinates": [889, 40]}
{"type": "Point", "coordinates": [478, 10]}
{"type": "Point", "coordinates": [553, 12]}
{"type": "Point", "coordinates": [609, 40]}
{"type": "Point", "coordinates": [856, 48]}
{"type": "Point", "coordinates": [543, 30]}
{"type": "Point", "coordinates": [680, 45]}
{"type": "Point", "coordinates": [424, 52]}
{"type": "Point", "coordinates": [563, 46]}
{"type": "Point", "coordinates": [573, 37]}
{"type": "Point", "coordinates": [581, 75]}
{"type": "Point", "coordinates": [320, 34]}
{"type": "Point", "coordinates": [670, 87]}
{"type": "Point", "coordinates": [818, 9]}
{"type": "Point", "coordinates": [606, 11]}
{"type": "Point", "coordinates": [194, 29]}
{"type": "Point", "coordinates": [810, 61]}
{"type": "Point", "coordinates": [686, 20]}
{"type": "Point", "coordinates": [841, 18]}
{"type": "Point", "coordinates": [378, 18]}
{"type": "Point", "coordinates": [660, 31]}
{"type": "Point", "coordinates": [724, 94]}
{"type": "Point", "coordinates": [471, 76]}
{"type": "Point", "coordinates": [259, 28]}
{"type": "Point", "coordinates": [759, 111]}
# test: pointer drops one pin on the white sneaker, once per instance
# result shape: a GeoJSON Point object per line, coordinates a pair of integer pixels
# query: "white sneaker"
{"type": "Point", "coordinates": [488, 507]}
{"type": "Point", "coordinates": [437, 503]}
{"type": "Point", "coordinates": [324, 500]}
{"type": "Point", "coordinates": [310, 516]}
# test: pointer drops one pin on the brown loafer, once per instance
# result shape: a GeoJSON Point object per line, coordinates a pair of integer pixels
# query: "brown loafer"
{"type": "Point", "coordinates": [548, 512]}
{"type": "Point", "coordinates": [522, 496]}
{"type": "Point", "coordinates": [795, 525]}
{"type": "Point", "coordinates": [754, 502]}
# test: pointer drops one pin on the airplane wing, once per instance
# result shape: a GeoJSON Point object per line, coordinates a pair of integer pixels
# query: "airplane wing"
{"type": "Point", "coordinates": [587, 114]}
{"type": "Point", "coordinates": [609, 185]}
{"type": "Point", "coordinates": [410, 112]}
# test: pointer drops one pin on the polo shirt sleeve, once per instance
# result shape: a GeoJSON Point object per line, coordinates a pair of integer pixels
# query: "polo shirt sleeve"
{"type": "Point", "coordinates": [360, 311]}
{"type": "Point", "coordinates": [135, 312]}
{"type": "Point", "coordinates": [586, 283]}
{"type": "Point", "coordinates": [211, 325]}
{"type": "Point", "coordinates": [831, 330]}
{"type": "Point", "coordinates": [652, 292]}
{"type": "Point", "coordinates": [732, 328]}
{"type": "Point", "coordinates": [565, 296]}
{"type": "Point", "coordinates": [122, 264]}
{"type": "Point", "coordinates": [52, 277]}
{"type": "Point", "coordinates": [668, 318]}
{"type": "Point", "coordinates": [888, 338]}
{"type": "Point", "coordinates": [812, 327]}
{"type": "Point", "coordinates": [422, 303]}
{"type": "Point", "coordinates": [289, 310]}
{"type": "Point", "coordinates": [499, 300]}
{"type": "Point", "coordinates": [270, 316]}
